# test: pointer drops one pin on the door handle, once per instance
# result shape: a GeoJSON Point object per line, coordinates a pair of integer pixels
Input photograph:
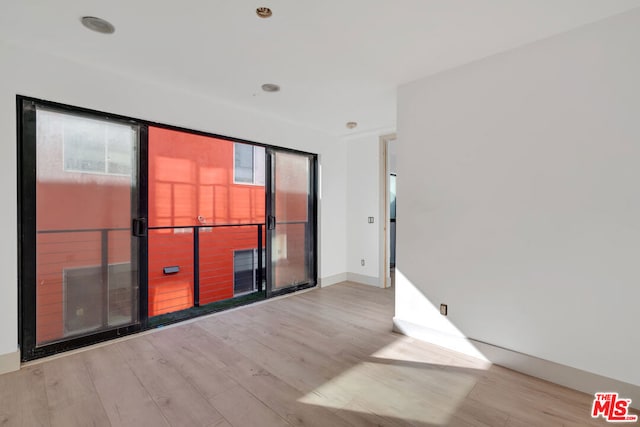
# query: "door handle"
{"type": "Point", "coordinates": [271, 222]}
{"type": "Point", "coordinates": [139, 227]}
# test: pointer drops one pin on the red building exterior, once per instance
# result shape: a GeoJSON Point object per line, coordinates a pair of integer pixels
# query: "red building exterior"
{"type": "Point", "coordinates": [79, 214]}
{"type": "Point", "coordinates": [191, 183]}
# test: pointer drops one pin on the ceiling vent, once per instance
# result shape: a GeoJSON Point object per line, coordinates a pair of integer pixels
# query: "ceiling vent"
{"type": "Point", "coordinates": [264, 12]}
{"type": "Point", "coordinates": [270, 87]}
{"type": "Point", "coordinates": [98, 25]}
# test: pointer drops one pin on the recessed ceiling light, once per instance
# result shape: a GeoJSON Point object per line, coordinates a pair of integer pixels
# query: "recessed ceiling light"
{"type": "Point", "coordinates": [264, 12]}
{"type": "Point", "coordinates": [351, 125]}
{"type": "Point", "coordinates": [98, 25]}
{"type": "Point", "coordinates": [270, 87]}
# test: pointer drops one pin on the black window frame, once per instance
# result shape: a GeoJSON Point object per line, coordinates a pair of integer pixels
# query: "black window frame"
{"type": "Point", "coordinates": [26, 245]}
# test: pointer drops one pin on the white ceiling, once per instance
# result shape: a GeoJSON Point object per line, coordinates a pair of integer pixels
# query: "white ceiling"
{"type": "Point", "coordinates": [336, 61]}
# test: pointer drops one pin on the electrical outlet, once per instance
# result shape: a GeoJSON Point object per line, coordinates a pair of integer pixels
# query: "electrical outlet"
{"type": "Point", "coordinates": [362, 262]}
{"type": "Point", "coordinates": [370, 220]}
{"type": "Point", "coordinates": [443, 309]}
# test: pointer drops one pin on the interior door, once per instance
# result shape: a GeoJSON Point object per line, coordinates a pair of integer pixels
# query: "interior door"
{"type": "Point", "coordinates": [291, 213]}
{"type": "Point", "coordinates": [79, 255]}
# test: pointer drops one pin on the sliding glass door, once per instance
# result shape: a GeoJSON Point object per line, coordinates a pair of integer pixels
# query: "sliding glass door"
{"type": "Point", "coordinates": [77, 232]}
{"type": "Point", "coordinates": [290, 221]}
{"type": "Point", "coordinates": [127, 225]}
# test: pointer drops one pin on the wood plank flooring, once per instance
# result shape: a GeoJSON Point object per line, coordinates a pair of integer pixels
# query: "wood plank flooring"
{"type": "Point", "coordinates": [319, 358]}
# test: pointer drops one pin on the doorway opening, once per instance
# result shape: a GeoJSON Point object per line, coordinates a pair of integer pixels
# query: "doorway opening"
{"type": "Point", "coordinates": [388, 175]}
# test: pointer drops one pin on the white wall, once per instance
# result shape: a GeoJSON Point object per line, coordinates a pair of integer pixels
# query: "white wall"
{"type": "Point", "coordinates": [519, 177]}
{"type": "Point", "coordinates": [363, 200]}
{"type": "Point", "coordinates": [43, 76]}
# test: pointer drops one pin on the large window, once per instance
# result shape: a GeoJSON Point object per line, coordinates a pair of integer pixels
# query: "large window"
{"type": "Point", "coordinates": [248, 164]}
{"type": "Point", "coordinates": [126, 225]}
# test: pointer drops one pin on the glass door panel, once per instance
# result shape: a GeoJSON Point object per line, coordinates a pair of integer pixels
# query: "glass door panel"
{"type": "Point", "coordinates": [291, 237]}
{"type": "Point", "coordinates": [206, 212]}
{"type": "Point", "coordinates": [86, 257]}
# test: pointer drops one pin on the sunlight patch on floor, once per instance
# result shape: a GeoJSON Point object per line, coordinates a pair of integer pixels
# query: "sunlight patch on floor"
{"type": "Point", "coordinates": [405, 349]}
{"type": "Point", "coordinates": [393, 382]}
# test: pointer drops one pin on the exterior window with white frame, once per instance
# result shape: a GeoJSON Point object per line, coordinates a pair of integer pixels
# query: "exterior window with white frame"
{"type": "Point", "coordinates": [248, 164]}
{"type": "Point", "coordinates": [245, 270]}
{"type": "Point", "coordinates": [96, 146]}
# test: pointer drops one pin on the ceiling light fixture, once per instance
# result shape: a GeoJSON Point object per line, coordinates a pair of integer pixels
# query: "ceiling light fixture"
{"type": "Point", "coordinates": [351, 125]}
{"type": "Point", "coordinates": [98, 25]}
{"type": "Point", "coordinates": [264, 12]}
{"type": "Point", "coordinates": [270, 87]}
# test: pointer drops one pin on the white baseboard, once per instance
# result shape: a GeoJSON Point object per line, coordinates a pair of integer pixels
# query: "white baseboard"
{"type": "Point", "coordinates": [365, 280]}
{"type": "Point", "coordinates": [564, 375]}
{"type": "Point", "coordinates": [9, 362]}
{"type": "Point", "coordinates": [332, 280]}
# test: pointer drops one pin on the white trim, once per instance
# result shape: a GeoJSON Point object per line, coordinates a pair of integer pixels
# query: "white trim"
{"type": "Point", "coordinates": [9, 362]}
{"type": "Point", "coordinates": [564, 375]}
{"type": "Point", "coordinates": [332, 280]}
{"type": "Point", "coordinates": [365, 280]}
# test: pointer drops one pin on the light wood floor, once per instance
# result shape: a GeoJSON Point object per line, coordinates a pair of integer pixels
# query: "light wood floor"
{"type": "Point", "coordinates": [320, 358]}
